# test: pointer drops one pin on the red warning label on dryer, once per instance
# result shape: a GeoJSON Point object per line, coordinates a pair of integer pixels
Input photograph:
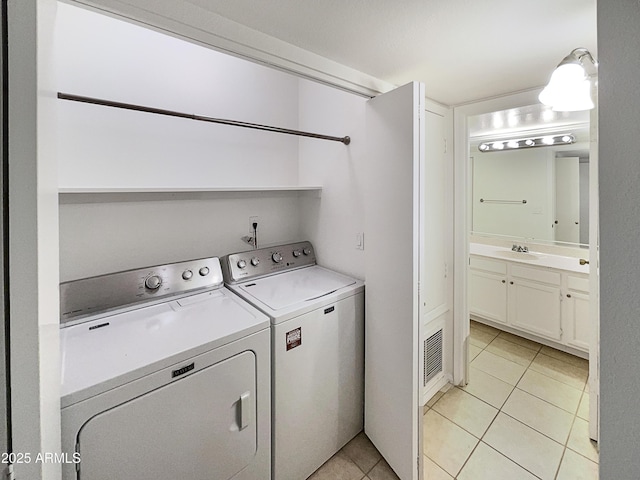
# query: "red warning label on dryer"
{"type": "Point", "coordinates": [294, 338]}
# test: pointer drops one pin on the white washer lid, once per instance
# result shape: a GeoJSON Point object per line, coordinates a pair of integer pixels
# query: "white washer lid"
{"type": "Point", "coordinates": [294, 287]}
{"type": "Point", "coordinates": [100, 354]}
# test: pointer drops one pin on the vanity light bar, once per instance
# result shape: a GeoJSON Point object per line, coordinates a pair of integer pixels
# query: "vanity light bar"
{"type": "Point", "coordinates": [546, 141]}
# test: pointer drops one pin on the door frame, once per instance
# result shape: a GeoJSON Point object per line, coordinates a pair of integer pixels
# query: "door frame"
{"type": "Point", "coordinates": [462, 219]}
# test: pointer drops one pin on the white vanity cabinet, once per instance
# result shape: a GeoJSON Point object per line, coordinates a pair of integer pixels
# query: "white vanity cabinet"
{"type": "Point", "coordinates": [534, 301]}
{"type": "Point", "coordinates": [575, 311]}
{"type": "Point", "coordinates": [542, 303]}
{"type": "Point", "coordinates": [488, 289]}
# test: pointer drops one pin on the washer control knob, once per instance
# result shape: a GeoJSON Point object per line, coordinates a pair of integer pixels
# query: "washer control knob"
{"type": "Point", "coordinates": [276, 257]}
{"type": "Point", "coordinates": [153, 282]}
{"type": "Point", "coordinates": [297, 253]}
{"type": "Point", "coordinates": [307, 251]}
{"type": "Point", "coordinates": [187, 274]}
{"type": "Point", "coordinates": [255, 261]}
{"type": "Point", "coordinates": [242, 263]}
{"type": "Point", "coordinates": [204, 271]}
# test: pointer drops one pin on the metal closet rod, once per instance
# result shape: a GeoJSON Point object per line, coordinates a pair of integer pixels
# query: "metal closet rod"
{"type": "Point", "coordinates": [171, 113]}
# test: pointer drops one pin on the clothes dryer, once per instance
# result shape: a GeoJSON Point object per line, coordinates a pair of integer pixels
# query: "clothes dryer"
{"type": "Point", "coordinates": [165, 375]}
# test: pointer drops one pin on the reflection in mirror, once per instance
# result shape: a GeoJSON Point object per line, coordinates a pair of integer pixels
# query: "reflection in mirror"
{"type": "Point", "coordinates": [538, 193]}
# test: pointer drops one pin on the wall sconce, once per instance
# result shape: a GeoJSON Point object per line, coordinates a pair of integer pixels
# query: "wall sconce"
{"type": "Point", "coordinates": [569, 89]}
{"type": "Point", "coordinates": [531, 142]}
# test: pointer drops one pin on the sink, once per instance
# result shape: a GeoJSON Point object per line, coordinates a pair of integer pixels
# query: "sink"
{"type": "Point", "coordinates": [518, 255]}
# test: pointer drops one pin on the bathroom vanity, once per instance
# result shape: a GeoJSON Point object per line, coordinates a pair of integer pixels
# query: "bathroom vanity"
{"type": "Point", "coordinates": [540, 296]}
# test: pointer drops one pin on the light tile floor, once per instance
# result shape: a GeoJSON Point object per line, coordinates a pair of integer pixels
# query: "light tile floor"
{"type": "Point", "coordinates": [523, 416]}
{"type": "Point", "coordinates": [358, 460]}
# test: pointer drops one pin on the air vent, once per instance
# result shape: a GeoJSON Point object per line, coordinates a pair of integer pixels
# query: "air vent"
{"type": "Point", "coordinates": [432, 356]}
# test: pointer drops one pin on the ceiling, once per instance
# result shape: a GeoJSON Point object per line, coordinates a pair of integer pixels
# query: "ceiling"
{"type": "Point", "coordinates": [463, 50]}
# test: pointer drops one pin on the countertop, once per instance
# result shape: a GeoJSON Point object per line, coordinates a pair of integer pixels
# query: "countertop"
{"type": "Point", "coordinates": [533, 258]}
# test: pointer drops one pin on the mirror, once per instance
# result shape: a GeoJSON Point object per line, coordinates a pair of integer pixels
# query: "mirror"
{"type": "Point", "coordinates": [535, 193]}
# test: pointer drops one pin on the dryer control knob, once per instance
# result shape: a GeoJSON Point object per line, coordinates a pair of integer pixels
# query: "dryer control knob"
{"type": "Point", "coordinates": [187, 274]}
{"type": "Point", "coordinates": [297, 253]}
{"type": "Point", "coordinates": [153, 282]}
{"type": "Point", "coordinates": [255, 261]}
{"type": "Point", "coordinates": [307, 251]}
{"type": "Point", "coordinates": [242, 263]}
{"type": "Point", "coordinates": [276, 257]}
{"type": "Point", "coordinates": [204, 271]}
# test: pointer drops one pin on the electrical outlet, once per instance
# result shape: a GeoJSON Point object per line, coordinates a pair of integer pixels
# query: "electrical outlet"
{"type": "Point", "coordinates": [252, 220]}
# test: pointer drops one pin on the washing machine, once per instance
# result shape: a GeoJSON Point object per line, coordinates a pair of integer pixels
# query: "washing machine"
{"type": "Point", "coordinates": [317, 348]}
{"type": "Point", "coordinates": [165, 375]}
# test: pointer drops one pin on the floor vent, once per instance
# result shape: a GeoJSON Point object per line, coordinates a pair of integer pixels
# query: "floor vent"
{"type": "Point", "coordinates": [432, 356]}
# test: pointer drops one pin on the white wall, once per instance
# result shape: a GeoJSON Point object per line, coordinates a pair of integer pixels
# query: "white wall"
{"type": "Point", "coordinates": [619, 145]}
{"type": "Point", "coordinates": [99, 56]}
{"type": "Point", "coordinates": [513, 175]}
{"type": "Point", "coordinates": [98, 238]}
{"type": "Point", "coordinates": [333, 220]}
{"type": "Point", "coordinates": [103, 147]}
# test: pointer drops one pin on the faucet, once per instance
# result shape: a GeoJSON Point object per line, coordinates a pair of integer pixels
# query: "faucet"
{"type": "Point", "coordinates": [520, 248]}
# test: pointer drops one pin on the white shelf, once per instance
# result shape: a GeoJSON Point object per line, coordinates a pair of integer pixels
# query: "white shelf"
{"type": "Point", "coordinates": [124, 194]}
{"type": "Point", "coordinates": [72, 190]}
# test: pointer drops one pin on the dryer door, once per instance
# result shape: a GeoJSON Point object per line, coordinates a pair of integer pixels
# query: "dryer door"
{"type": "Point", "coordinates": [201, 427]}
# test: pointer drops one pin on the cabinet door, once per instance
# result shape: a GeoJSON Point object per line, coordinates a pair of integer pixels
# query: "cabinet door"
{"type": "Point", "coordinates": [575, 316]}
{"type": "Point", "coordinates": [535, 307]}
{"type": "Point", "coordinates": [488, 295]}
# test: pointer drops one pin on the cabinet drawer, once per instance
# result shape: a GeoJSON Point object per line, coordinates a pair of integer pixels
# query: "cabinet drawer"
{"type": "Point", "coordinates": [579, 284]}
{"type": "Point", "coordinates": [494, 266]}
{"type": "Point", "coordinates": [537, 275]}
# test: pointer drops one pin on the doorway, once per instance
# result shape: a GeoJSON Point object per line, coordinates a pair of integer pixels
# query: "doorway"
{"type": "Point", "coordinates": [501, 403]}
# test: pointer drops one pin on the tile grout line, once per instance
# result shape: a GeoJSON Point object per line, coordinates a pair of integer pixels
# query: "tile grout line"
{"type": "Point", "coordinates": [573, 414]}
{"type": "Point", "coordinates": [527, 368]}
{"type": "Point", "coordinates": [481, 440]}
{"type": "Point", "coordinates": [466, 431]}
{"type": "Point", "coordinates": [559, 381]}
{"type": "Point", "coordinates": [528, 426]}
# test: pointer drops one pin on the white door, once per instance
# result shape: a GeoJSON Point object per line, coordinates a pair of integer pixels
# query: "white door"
{"type": "Point", "coordinates": [567, 205]}
{"type": "Point", "coordinates": [393, 225]}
